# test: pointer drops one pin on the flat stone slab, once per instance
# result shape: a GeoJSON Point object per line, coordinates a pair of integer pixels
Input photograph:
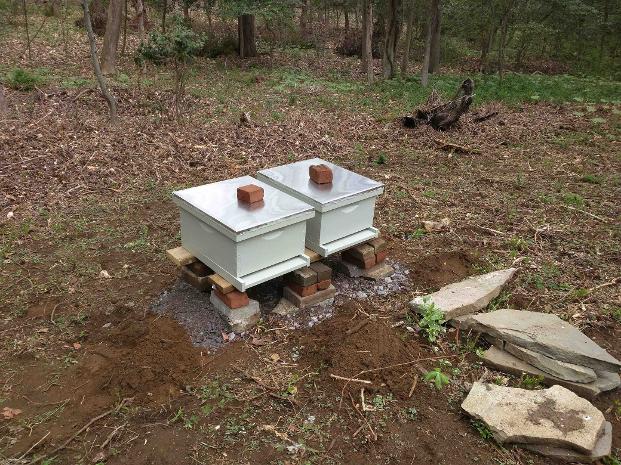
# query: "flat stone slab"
{"type": "Point", "coordinates": [602, 449]}
{"type": "Point", "coordinates": [310, 300]}
{"type": "Point", "coordinates": [562, 370]}
{"type": "Point", "coordinates": [377, 272]}
{"type": "Point", "coordinates": [285, 307]}
{"type": "Point", "coordinates": [543, 333]}
{"type": "Point", "coordinates": [554, 417]}
{"type": "Point", "coordinates": [507, 363]}
{"type": "Point", "coordinates": [240, 319]}
{"type": "Point", "coordinates": [467, 296]}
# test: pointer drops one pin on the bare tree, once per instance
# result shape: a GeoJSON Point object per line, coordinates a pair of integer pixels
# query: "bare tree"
{"type": "Point", "coordinates": [27, 30]}
{"type": "Point", "coordinates": [109, 50]}
{"type": "Point", "coordinates": [391, 38]}
{"type": "Point", "coordinates": [94, 59]}
{"type": "Point", "coordinates": [434, 57]}
{"type": "Point", "coordinates": [424, 75]}
{"type": "Point", "coordinates": [367, 39]}
{"type": "Point", "coordinates": [4, 108]}
{"type": "Point", "coordinates": [405, 59]}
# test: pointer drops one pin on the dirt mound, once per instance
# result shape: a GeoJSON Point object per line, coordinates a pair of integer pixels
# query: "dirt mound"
{"type": "Point", "coordinates": [440, 269]}
{"type": "Point", "coordinates": [148, 359]}
{"type": "Point", "coordinates": [364, 348]}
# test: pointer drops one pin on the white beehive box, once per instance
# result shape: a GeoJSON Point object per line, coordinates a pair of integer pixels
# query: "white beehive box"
{"type": "Point", "coordinates": [246, 244]}
{"type": "Point", "coordinates": [344, 208]}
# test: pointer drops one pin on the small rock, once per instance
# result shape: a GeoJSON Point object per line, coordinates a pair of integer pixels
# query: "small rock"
{"type": "Point", "coordinates": [437, 226]}
{"type": "Point", "coordinates": [104, 274]}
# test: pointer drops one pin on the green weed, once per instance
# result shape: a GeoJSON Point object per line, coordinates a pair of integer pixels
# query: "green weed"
{"type": "Point", "coordinates": [431, 320]}
{"type": "Point", "coordinates": [531, 382]}
{"type": "Point", "coordinates": [591, 179]}
{"type": "Point", "coordinates": [483, 429]}
{"type": "Point", "coordinates": [574, 200]}
{"type": "Point", "coordinates": [411, 413]}
{"type": "Point", "coordinates": [438, 378]}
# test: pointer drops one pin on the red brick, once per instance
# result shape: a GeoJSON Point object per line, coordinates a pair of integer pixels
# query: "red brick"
{"type": "Point", "coordinates": [303, 291]}
{"type": "Point", "coordinates": [233, 299]}
{"type": "Point", "coordinates": [378, 244]}
{"type": "Point", "coordinates": [250, 193]}
{"type": "Point", "coordinates": [325, 284]}
{"type": "Point", "coordinates": [360, 252]}
{"type": "Point", "coordinates": [321, 174]}
{"type": "Point", "coordinates": [381, 256]}
{"type": "Point", "coordinates": [324, 272]}
{"type": "Point", "coordinates": [364, 264]}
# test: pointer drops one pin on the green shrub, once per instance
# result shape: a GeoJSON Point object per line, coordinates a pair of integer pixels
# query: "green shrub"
{"type": "Point", "coordinates": [431, 320]}
{"type": "Point", "coordinates": [219, 46]}
{"type": "Point", "coordinates": [23, 79]}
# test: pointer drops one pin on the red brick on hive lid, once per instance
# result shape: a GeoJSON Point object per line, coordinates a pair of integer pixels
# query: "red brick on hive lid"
{"type": "Point", "coordinates": [321, 174]}
{"type": "Point", "coordinates": [250, 193]}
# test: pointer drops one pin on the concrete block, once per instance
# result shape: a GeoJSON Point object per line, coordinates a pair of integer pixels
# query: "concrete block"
{"type": "Point", "coordinates": [360, 252]}
{"type": "Point", "coordinates": [240, 319]}
{"type": "Point", "coordinates": [309, 301]}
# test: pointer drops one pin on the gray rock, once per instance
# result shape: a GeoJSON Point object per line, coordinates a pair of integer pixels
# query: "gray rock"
{"type": "Point", "coordinates": [505, 362]}
{"type": "Point", "coordinates": [239, 319]}
{"type": "Point", "coordinates": [377, 272]}
{"type": "Point", "coordinates": [602, 449]}
{"type": "Point", "coordinates": [285, 307]}
{"type": "Point", "coordinates": [562, 370]}
{"type": "Point", "coordinates": [543, 333]}
{"type": "Point", "coordinates": [554, 417]}
{"type": "Point", "coordinates": [467, 296]}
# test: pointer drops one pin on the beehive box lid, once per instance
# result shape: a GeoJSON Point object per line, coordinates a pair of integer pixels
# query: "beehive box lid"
{"type": "Point", "coordinates": [217, 205]}
{"type": "Point", "coordinates": [346, 187]}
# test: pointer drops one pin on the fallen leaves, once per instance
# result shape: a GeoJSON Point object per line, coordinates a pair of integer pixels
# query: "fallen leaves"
{"type": "Point", "coordinates": [9, 413]}
{"type": "Point", "coordinates": [437, 226]}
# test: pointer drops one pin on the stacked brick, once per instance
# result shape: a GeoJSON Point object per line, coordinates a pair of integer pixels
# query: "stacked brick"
{"type": "Point", "coordinates": [310, 279]}
{"type": "Point", "coordinates": [366, 255]}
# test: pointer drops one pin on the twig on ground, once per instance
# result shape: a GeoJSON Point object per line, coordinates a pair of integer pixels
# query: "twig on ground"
{"type": "Point", "coordinates": [84, 428]}
{"type": "Point", "coordinates": [33, 446]}
{"type": "Point", "coordinates": [480, 119]}
{"type": "Point", "coordinates": [603, 220]}
{"type": "Point", "coordinates": [610, 283]}
{"type": "Point", "coordinates": [363, 418]}
{"type": "Point", "coordinates": [444, 145]}
{"type": "Point", "coordinates": [413, 387]}
{"type": "Point", "coordinates": [351, 380]}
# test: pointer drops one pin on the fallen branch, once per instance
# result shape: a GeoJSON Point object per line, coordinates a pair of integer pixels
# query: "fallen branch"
{"type": "Point", "coordinates": [610, 283]}
{"type": "Point", "coordinates": [363, 418]}
{"type": "Point", "coordinates": [351, 380]}
{"type": "Point", "coordinates": [456, 148]}
{"type": "Point", "coordinates": [480, 119]}
{"type": "Point", "coordinates": [84, 428]}
{"type": "Point", "coordinates": [603, 220]}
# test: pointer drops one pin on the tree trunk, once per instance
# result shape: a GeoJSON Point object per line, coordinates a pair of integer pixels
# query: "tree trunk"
{"type": "Point", "coordinates": [124, 28]}
{"type": "Point", "coordinates": [164, 16]}
{"type": "Point", "coordinates": [140, 13]}
{"type": "Point", "coordinates": [246, 30]}
{"type": "Point", "coordinates": [405, 59]}
{"type": "Point", "coordinates": [4, 108]}
{"type": "Point", "coordinates": [434, 54]}
{"type": "Point", "coordinates": [27, 30]}
{"type": "Point", "coordinates": [111, 37]}
{"type": "Point", "coordinates": [304, 18]}
{"type": "Point", "coordinates": [392, 38]}
{"type": "Point", "coordinates": [186, 12]}
{"type": "Point", "coordinates": [424, 76]}
{"type": "Point", "coordinates": [346, 15]}
{"type": "Point", "coordinates": [98, 74]}
{"type": "Point", "coordinates": [367, 36]}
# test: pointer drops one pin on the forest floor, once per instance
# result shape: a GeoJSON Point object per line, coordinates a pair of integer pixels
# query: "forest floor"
{"type": "Point", "coordinates": [537, 186]}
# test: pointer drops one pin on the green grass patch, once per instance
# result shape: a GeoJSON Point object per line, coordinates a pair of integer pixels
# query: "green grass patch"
{"type": "Point", "coordinates": [25, 79]}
